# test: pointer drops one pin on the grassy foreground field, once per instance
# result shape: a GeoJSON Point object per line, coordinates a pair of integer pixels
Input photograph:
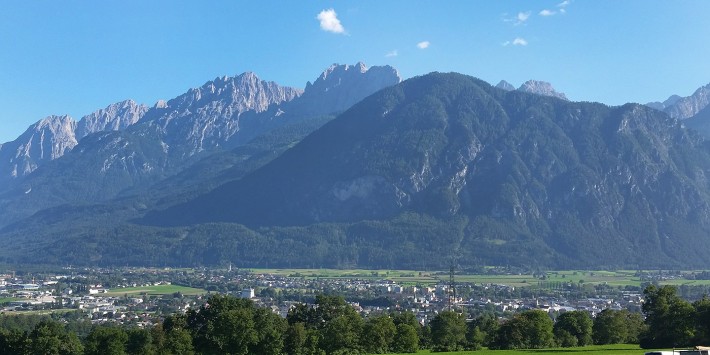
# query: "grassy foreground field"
{"type": "Point", "coordinates": [618, 349]}
{"type": "Point", "coordinates": [158, 290]}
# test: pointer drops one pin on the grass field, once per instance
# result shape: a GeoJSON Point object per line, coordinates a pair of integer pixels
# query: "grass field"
{"type": "Point", "coordinates": [614, 278]}
{"type": "Point", "coordinates": [38, 312]}
{"type": "Point", "coordinates": [412, 277]}
{"type": "Point", "coordinates": [619, 349]}
{"type": "Point", "coordinates": [158, 290]}
{"type": "Point", "coordinates": [7, 299]}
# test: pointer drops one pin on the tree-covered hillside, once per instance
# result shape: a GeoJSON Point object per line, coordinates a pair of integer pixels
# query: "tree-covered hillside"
{"type": "Point", "coordinates": [520, 176]}
{"type": "Point", "coordinates": [438, 168]}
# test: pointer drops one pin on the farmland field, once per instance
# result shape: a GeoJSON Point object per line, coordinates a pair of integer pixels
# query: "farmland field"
{"type": "Point", "coordinates": [8, 299]}
{"type": "Point", "coordinates": [154, 290]}
{"type": "Point", "coordinates": [426, 278]}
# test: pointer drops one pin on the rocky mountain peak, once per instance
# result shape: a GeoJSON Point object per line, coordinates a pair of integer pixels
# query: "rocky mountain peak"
{"type": "Point", "coordinates": [45, 140]}
{"type": "Point", "coordinates": [160, 104]}
{"type": "Point", "coordinates": [541, 88]}
{"type": "Point", "coordinates": [341, 86]}
{"type": "Point", "coordinates": [50, 137]}
{"type": "Point", "coordinates": [505, 86]}
{"type": "Point", "coordinates": [231, 95]}
{"type": "Point", "coordinates": [338, 69]}
{"type": "Point", "coordinates": [114, 117]}
{"type": "Point", "coordinates": [686, 107]}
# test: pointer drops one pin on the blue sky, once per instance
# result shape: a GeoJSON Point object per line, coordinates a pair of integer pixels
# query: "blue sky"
{"type": "Point", "coordinates": [73, 57]}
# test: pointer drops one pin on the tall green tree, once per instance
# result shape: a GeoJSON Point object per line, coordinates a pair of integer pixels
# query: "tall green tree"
{"type": "Point", "coordinates": [702, 321]}
{"type": "Point", "coordinates": [49, 337]}
{"type": "Point", "coordinates": [669, 319]}
{"type": "Point", "coordinates": [410, 319]}
{"type": "Point", "coordinates": [106, 340]}
{"type": "Point", "coordinates": [173, 337]}
{"type": "Point", "coordinates": [295, 339]}
{"type": "Point", "coordinates": [342, 334]}
{"type": "Point", "coordinates": [609, 328]}
{"type": "Point", "coordinates": [13, 342]}
{"type": "Point", "coordinates": [576, 324]}
{"type": "Point", "coordinates": [232, 325]}
{"type": "Point", "coordinates": [377, 334]}
{"type": "Point", "coordinates": [140, 342]}
{"type": "Point", "coordinates": [448, 332]}
{"type": "Point", "coordinates": [231, 331]}
{"type": "Point", "coordinates": [270, 329]}
{"type": "Point", "coordinates": [177, 342]}
{"type": "Point", "coordinates": [526, 330]}
{"type": "Point", "coordinates": [487, 325]}
{"type": "Point", "coordinates": [406, 339]}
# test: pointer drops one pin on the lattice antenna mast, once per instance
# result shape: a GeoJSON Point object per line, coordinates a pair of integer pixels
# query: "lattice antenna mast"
{"type": "Point", "coordinates": [452, 287]}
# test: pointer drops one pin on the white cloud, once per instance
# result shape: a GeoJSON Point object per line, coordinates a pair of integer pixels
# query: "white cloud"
{"type": "Point", "coordinates": [523, 16]}
{"type": "Point", "coordinates": [518, 19]}
{"type": "Point", "coordinates": [329, 21]}
{"type": "Point", "coordinates": [392, 54]}
{"type": "Point", "coordinates": [423, 45]}
{"type": "Point", "coordinates": [519, 41]}
{"type": "Point", "coordinates": [547, 12]}
{"type": "Point", "coordinates": [564, 3]}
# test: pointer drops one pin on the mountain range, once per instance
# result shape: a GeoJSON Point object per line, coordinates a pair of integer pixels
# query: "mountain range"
{"type": "Point", "coordinates": [359, 169]}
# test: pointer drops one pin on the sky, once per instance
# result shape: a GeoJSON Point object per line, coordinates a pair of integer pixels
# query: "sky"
{"type": "Point", "coordinates": [74, 57]}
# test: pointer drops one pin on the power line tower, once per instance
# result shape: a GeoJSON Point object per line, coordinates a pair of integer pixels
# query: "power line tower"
{"type": "Point", "coordinates": [452, 287]}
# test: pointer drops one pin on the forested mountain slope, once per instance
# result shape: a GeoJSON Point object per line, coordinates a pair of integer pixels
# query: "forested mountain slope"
{"type": "Point", "coordinates": [518, 173]}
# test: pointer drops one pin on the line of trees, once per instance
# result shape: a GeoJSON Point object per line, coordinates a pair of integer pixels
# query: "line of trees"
{"type": "Point", "coordinates": [673, 321]}
{"type": "Point", "coordinates": [229, 325]}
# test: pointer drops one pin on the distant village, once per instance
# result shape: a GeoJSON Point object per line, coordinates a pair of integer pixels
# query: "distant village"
{"type": "Point", "coordinates": [144, 296]}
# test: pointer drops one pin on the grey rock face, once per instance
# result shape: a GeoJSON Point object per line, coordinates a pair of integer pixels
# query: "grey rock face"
{"type": "Point", "coordinates": [541, 88]}
{"type": "Point", "coordinates": [46, 140]}
{"type": "Point", "coordinates": [208, 116]}
{"type": "Point", "coordinates": [53, 136]}
{"type": "Point", "coordinates": [505, 86]}
{"type": "Point", "coordinates": [127, 146]}
{"type": "Point", "coordinates": [115, 117]}
{"type": "Point", "coordinates": [341, 86]}
{"type": "Point", "coordinates": [686, 107]}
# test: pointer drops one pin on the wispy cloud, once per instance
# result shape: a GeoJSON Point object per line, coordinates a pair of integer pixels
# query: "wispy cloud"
{"type": "Point", "coordinates": [518, 41]}
{"type": "Point", "coordinates": [518, 19]}
{"type": "Point", "coordinates": [423, 45]}
{"type": "Point", "coordinates": [523, 16]}
{"type": "Point", "coordinates": [563, 6]}
{"type": "Point", "coordinates": [329, 22]}
{"type": "Point", "coordinates": [392, 54]}
{"type": "Point", "coordinates": [561, 9]}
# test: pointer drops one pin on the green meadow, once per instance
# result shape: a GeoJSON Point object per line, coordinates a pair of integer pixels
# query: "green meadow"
{"type": "Point", "coordinates": [414, 277]}
{"type": "Point", "coordinates": [158, 290]}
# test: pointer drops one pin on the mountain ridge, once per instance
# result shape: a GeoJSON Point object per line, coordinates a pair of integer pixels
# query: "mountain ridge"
{"type": "Point", "coordinates": [553, 191]}
{"type": "Point", "coordinates": [439, 167]}
{"type": "Point", "coordinates": [217, 116]}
